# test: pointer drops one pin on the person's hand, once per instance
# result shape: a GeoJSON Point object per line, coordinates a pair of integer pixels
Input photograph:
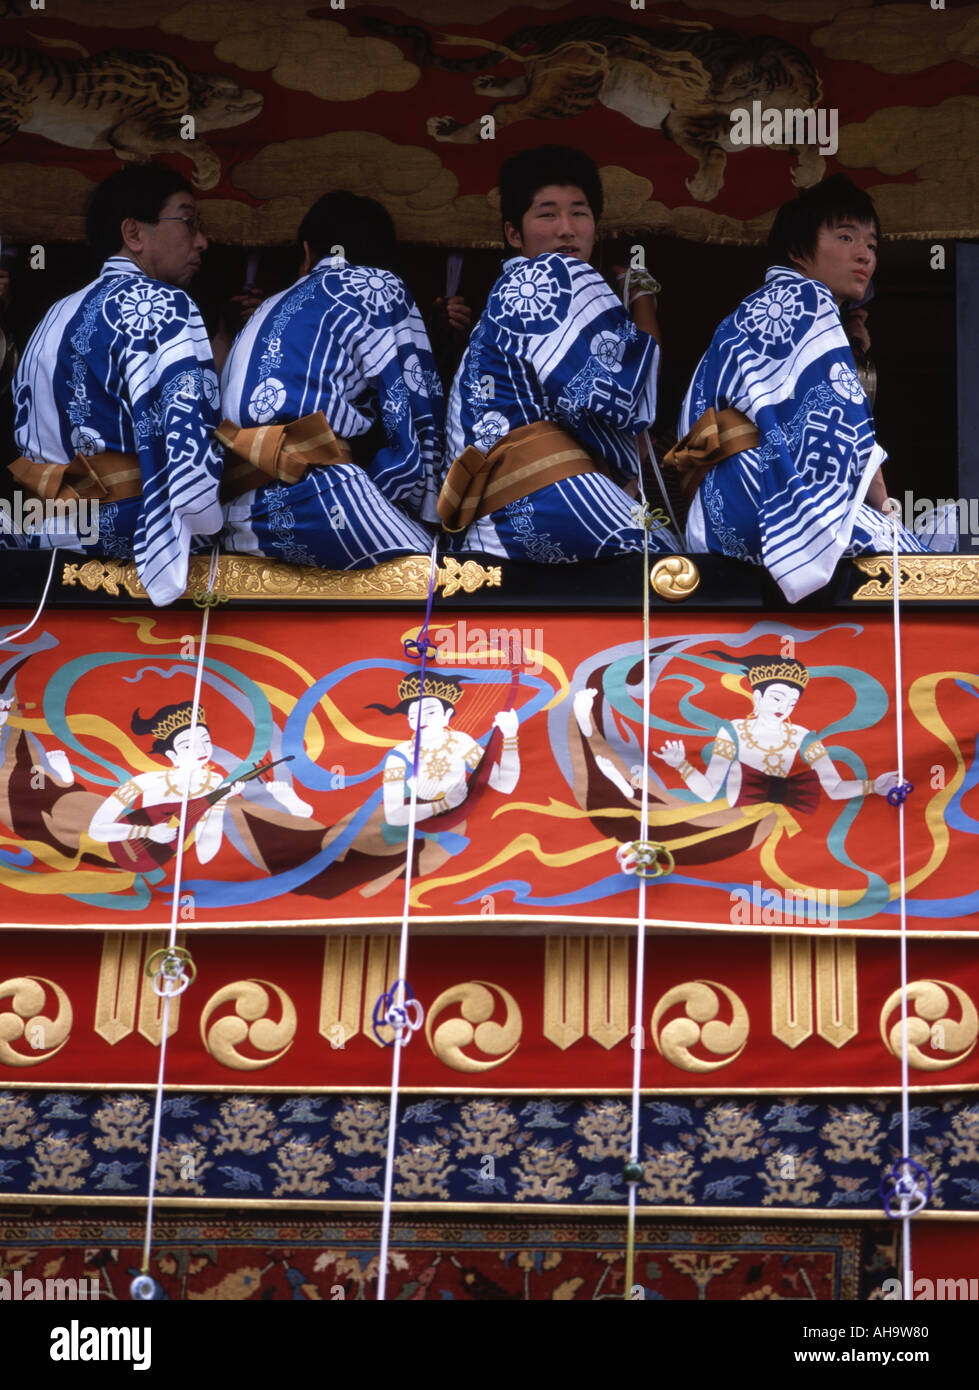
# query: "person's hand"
{"type": "Point", "coordinates": [885, 783]}
{"type": "Point", "coordinates": [247, 302]}
{"type": "Point", "coordinates": [286, 796]}
{"type": "Point", "coordinates": [458, 314]}
{"type": "Point", "coordinates": [672, 753]}
{"type": "Point", "coordinates": [507, 722]}
{"type": "Point", "coordinates": [235, 789]}
{"type": "Point", "coordinates": [162, 834]}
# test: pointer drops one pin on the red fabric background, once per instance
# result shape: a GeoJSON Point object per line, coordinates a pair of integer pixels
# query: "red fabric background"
{"type": "Point", "coordinates": [517, 966]}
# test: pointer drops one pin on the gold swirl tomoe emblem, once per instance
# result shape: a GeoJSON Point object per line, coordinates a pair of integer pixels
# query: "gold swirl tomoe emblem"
{"type": "Point", "coordinates": [674, 578]}
{"type": "Point", "coordinates": [476, 1026]}
{"type": "Point", "coordinates": [701, 1025]}
{"type": "Point", "coordinates": [249, 1022]}
{"type": "Point", "coordinates": [44, 1036]}
{"type": "Point", "coordinates": [930, 1024]}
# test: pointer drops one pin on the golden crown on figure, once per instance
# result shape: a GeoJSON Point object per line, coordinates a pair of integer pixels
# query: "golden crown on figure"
{"type": "Point", "coordinates": [180, 718]}
{"type": "Point", "coordinates": [435, 689]}
{"type": "Point", "coordinates": [791, 672]}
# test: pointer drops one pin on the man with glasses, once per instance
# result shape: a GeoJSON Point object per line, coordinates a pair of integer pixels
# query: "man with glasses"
{"type": "Point", "coordinates": [116, 396]}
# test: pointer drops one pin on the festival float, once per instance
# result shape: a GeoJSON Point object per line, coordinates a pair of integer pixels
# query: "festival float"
{"type": "Point", "coordinates": [676, 997]}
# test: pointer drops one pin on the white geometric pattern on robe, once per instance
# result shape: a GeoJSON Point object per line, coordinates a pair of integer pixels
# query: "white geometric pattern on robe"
{"type": "Point", "coordinates": [554, 343]}
{"type": "Point", "coordinates": [349, 341]}
{"type": "Point", "coordinates": [125, 365]}
{"type": "Point", "coordinates": [543, 344]}
{"type": "Point", "coordinates": [783, 359]}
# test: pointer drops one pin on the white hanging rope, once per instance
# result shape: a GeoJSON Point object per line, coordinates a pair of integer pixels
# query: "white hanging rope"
{"type": "Point", "coordinates": [12, 636]}
{"type": "Point", "coordinates": [397, 1012]}
{"type": "Point", "coordinates": [143, 1286]}
{"type": "Point", "coordinates": [905, 1188]}
{"type": "Point", "coordinates": [638, 1038]}
{"type": "Point", "coordinates": [633, 1169]}
{"type": "Point", "coordinates": [642, 849]}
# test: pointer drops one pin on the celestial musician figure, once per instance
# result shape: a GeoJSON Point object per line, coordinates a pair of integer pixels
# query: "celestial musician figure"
{"type": "Point", "coordinates": [143, 842]}
{"type": "Point", "coordinates": [446, 757]}
{"type": "Point", "coordinates": [753, 760]}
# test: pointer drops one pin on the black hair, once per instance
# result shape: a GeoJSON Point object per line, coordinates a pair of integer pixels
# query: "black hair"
{"type": "Point", "coordinates": [139, 725]}
{"type": "Point", "coordinates": [362, 226]}
{"type": "Point", "coordinates": [139, 191]}
{"type": "Point", "coordinates": [525, 174]}
{"type": "Point", "coordinates": [795, 672]}
{"type": "Point", "coordinates": [798, 222]}
{"type": "Point", "coordinates": [403, 706]}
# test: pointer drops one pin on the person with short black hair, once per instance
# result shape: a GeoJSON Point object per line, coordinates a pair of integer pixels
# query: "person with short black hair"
{"type": "Point", "coordinates": [333, 405]}
{"type": "Point", "coordinates": [777, 442]}
{"type": "Point", "coordinates": [116, 394]}
{"type": "Point", "coordinates": [556, 384]}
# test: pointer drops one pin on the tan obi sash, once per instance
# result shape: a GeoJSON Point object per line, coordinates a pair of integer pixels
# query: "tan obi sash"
{"type": "Point", "coordinates": [716, 436]}
{"type": "Point", "coordinates": [525, 460]}
{"type": "Point", "coordinates": [108, 477]}
{"type": "Point", "coordinates": [278, 452]}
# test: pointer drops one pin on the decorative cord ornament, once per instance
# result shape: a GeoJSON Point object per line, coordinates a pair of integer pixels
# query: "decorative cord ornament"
{"type": "Point", "coordinates": [908, 1183]}
{"type": "Point", "coordinates": [170, 975]}
{"type": "Point", "coordinates": [402, 1013]}
{"type": "Point", "coordinates": [650, 518]}
{"type": "Point", "coordinates": [208, 598]}
{"type": "Point", "coordinates": [899, 794]}
{"type": "Point", "coordinates": [422, 649]}
{"type": "Point", "coordinates": [653, 860]}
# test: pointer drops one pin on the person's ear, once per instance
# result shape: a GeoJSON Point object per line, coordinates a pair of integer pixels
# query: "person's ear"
{"type": "Point", "coordinates": [307, 261]}
{"type": "Point", "coordinates": [513, 236]}
{"type": "Point", "coordinates": [131, 232]}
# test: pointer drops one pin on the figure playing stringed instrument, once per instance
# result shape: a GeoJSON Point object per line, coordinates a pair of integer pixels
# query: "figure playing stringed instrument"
{"type": "Point", "coordinates": [445, 756]}
{"type": "Point", "coordinates": [140, 820]}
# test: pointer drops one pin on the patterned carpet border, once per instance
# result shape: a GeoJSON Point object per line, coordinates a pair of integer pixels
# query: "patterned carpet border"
{"type": "Point", "coordinates": [263, 1259]}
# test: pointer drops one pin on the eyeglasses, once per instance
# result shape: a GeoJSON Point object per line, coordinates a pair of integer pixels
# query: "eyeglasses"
{"type": "Point", "coordinates": [193, 224]}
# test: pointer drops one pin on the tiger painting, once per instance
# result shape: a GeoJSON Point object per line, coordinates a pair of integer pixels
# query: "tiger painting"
{"type": "Point", "coordinates": [684, 80]}
{"type": "Point", "coordinates": [133, 102]}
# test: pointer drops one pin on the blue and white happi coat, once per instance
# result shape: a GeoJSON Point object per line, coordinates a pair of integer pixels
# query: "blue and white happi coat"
{"type": "Point", "coordinates": [347, 340]}
{"type": "Point", "coordinates": [125, 365]}
{"type": "Point", "coordinates": [555, 344]}
{"type": "Point", "coordinates": [795, 504]}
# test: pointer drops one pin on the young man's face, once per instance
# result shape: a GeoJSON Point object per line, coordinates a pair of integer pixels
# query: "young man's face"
{"type": "Point", "coordinates": [844, 259]}
{"type": "Point", "coordinates": [559, 219]}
